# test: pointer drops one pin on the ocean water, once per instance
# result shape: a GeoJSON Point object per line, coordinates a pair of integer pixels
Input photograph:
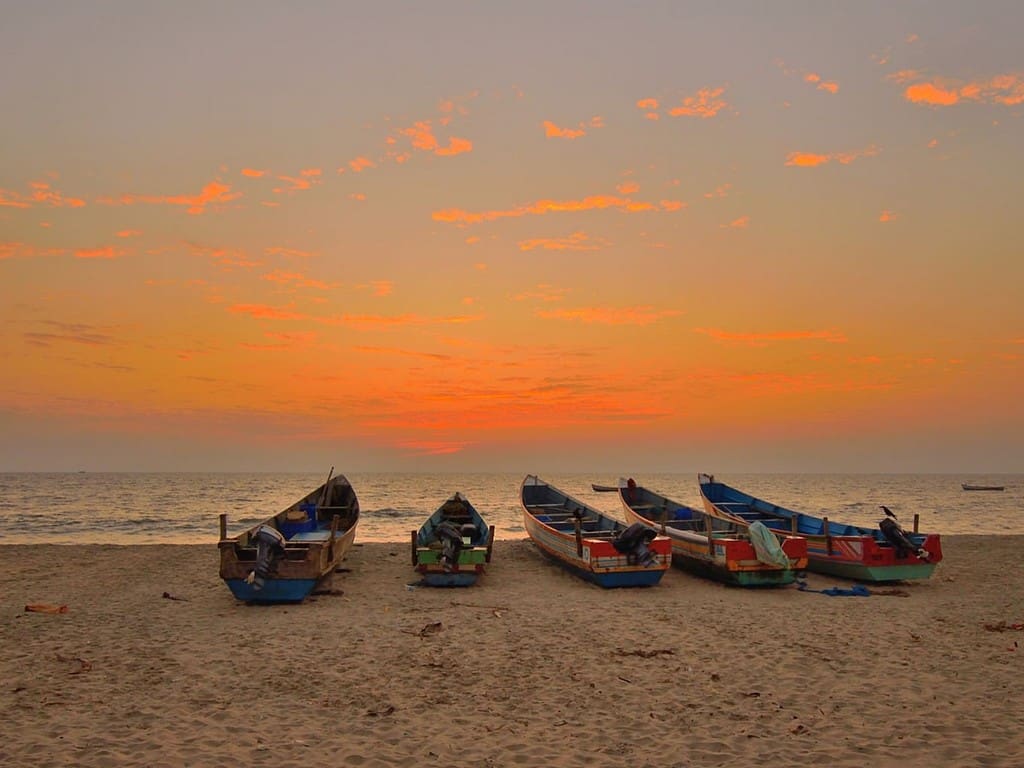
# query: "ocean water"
{"type": "Point", "coordinates": [184, 508]}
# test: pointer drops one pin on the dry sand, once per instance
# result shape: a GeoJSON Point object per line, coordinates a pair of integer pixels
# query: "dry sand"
{"type": "Point", "coordinates": [531, 667]}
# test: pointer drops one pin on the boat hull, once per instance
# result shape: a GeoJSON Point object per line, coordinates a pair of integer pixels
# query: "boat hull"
{"type": "Point", "coordinates": [726, 558]}
{"type": "Point", "coordinates": [273, 590]}
{"type": "Point", "coordinates": [850, 552]}
{"type": "Point", "coordinates": [315, 534]}
{"type": "Point", "coordinates": [593, 558]}
{"type": "Point", "coordinates": [474, 552]}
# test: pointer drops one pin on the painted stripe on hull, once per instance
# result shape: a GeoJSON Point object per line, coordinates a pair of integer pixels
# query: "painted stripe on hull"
{"type": "Point", "coordinates": [862, 572]}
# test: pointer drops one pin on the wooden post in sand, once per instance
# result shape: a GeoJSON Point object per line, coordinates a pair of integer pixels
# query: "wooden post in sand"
{"type": "Point", "coordinates": [223, 525]}
{"type": "Point", "coordinates": [917, 520]}
{"type": "Point", "coordinates": [828, 536]}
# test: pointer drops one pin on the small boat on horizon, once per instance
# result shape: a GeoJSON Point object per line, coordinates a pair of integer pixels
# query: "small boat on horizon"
{"type": "Point", "coordinates": [285, 557]}
{"type": "Point", "coordinates": [588, 543]}
{"type": "Point", "coordinates": [453, 546]}
{"type": "Point", "coordinates": [974, 487]}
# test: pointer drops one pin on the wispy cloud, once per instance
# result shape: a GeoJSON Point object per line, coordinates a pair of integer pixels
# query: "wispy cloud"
{"type": "Point", "coordinates": [40, 193]}
{"type": "Point", "coordinates": [813, 159]}
{"type": "Point", "coordinates": [761, 339]}
{"type": "Point", "coordinates": [70, 333]}
{"type": "Point", "coordinates": [266, 312]}
{"type": "Point", "coordinates": [213, 194]}
{"type": "Point", "coordinates": [553, 131]}
{"type": "Point", "coordinates": [705, 103]}
{"type": "Point", "coordinates": [644, 315]}
{"type": "Point", "coordinates": [294, 279]}
{"type": "Point", "coordinates": [103, 252]}
{"type": "Point", "coordinates": [577, 241]}
{"type": "Point", "coordinates": [541, 207]}
{"type": "Point", "coordinates": [1005, 89]}
{"type": "Point", "coordinates": [812, 78]}
{"type": "Point", "coordinates": [543, 292]}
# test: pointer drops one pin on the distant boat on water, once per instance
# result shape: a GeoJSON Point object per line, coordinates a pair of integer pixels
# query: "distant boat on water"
{"type": "Point", "coordinates": [973, 487]}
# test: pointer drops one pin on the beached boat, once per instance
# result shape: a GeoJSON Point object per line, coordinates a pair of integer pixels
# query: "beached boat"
{"type": "Point", "coordinates": [285, 557]}
{"type": "Point", "coordinates": [973, 487]}
{"type": "Point", "coordinates": [711, 546]}
{"type": "Point", "coordinates": [588, 543]}
{"type": "Point", "coordinates": [453, 546]}
{"type": "Point", "coordinates": [886, 553]}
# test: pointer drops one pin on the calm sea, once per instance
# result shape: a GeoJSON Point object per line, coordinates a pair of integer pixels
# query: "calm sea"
{"type": "Point", "coordinates": [88, 507]}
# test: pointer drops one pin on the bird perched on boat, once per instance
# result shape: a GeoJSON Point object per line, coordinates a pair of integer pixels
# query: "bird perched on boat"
{"type": "Point", "coordinates": [894, 533]}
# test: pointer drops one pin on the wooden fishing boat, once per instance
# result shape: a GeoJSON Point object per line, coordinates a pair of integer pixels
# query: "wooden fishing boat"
{"type": "Point", "coordinates": [886, 553]}
{"type": "Point", "coordinates": [285, 557]}
{"type": "Point", "coordinates": [710, 546]}
{"type": "Point", "coordinates": [453, 546]}
{"type": "Point", "coordinates": [588, 543]}
{"type": "Point", "coordinates": [973, 487]}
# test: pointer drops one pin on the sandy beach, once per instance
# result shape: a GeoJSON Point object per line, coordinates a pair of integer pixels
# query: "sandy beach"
{"type": "Point", "coordinates": [155, 664]}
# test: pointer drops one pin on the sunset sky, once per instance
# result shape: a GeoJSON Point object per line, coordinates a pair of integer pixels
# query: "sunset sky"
{"type": "Point", "coordinates": [529, 236]}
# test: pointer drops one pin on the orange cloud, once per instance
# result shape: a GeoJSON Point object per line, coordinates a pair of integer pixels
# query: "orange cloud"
{"type": "Point", "coordinates": [382, 322]}
{"type": "Point", "coordinates": [705, 103]}
{"type": "Point", "coordinates": [104, 252]}
{"type": "Point", "coordinates": [253, 173]}
{"type": "Point", "coordinates": [609, 315]}
{"type": "Point", "coordinates": [577, 241]}
{"type": "Point", "coordinates": [295, 278]}
{"type": "Point", "coordinates": [541, 207]}
{"type": "Point", "coordinates": [433, 447]}
{"type": "Point", "coordinates": [41, 194]}
{"type": "Point", "coordinates": [226, 257]}
{"type": "Point", "coordinates": [811, 159]}
{"type": "Point", "coordinates": [1006, 90]}
{"type": "Point", "coordinates": [456, 146]}
{"type": "Point", "coordinates": [760, 339]}
{"type": "Point", "coordinates": [543, 292]}
{"type": "Point", "coordinates": [265, 312]}
{"type": "Point", "coordinates": [422, 136]}
{"type": "Point", "coordinates": [628, 188]}
{"type": "Point", "coordinates": [721, 191]}
{"type": "Point", "coordinates": [129, 233]}
{"type": "Point", "coordinates": [741, 223]}
{"type": "Point", "coordinates": [553, 131]}
{"type": "Point", "coordinates": [886, 216]}
{"type": "Point", "coordinates": [360, 164]}
{"type": "Point", "coordinates": [288, 253]}
{"type": "Point", "coordinates": [306, 180]}
{"type": "Point", "coordinates": [213, 193]}
{"type": "Point", "coordinates": [821, 85]}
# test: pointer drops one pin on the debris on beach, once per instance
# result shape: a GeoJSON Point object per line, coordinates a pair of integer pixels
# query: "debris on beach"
{"type": "Point", "coordinates": [1003, 626]}
{"type": "Point", "coordinates": [45, 608]}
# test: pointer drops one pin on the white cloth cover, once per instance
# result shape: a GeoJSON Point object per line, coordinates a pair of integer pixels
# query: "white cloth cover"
{"type": "Point", "coordinates": [767, 546]}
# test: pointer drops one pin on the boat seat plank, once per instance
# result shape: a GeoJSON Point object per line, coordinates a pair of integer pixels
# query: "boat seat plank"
{"type": "Point", "coordinates": [311, 536]}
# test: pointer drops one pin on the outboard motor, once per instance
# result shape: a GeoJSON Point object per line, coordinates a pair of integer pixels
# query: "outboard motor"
{"type": "Point", "coordinates": [633, 542]}
{"type": "Point", "coordinates": [895, 535]}
{"type": "Point", "coordinates": [269, 548]}
{"type": "Point", "coordinates": [450, 536]}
